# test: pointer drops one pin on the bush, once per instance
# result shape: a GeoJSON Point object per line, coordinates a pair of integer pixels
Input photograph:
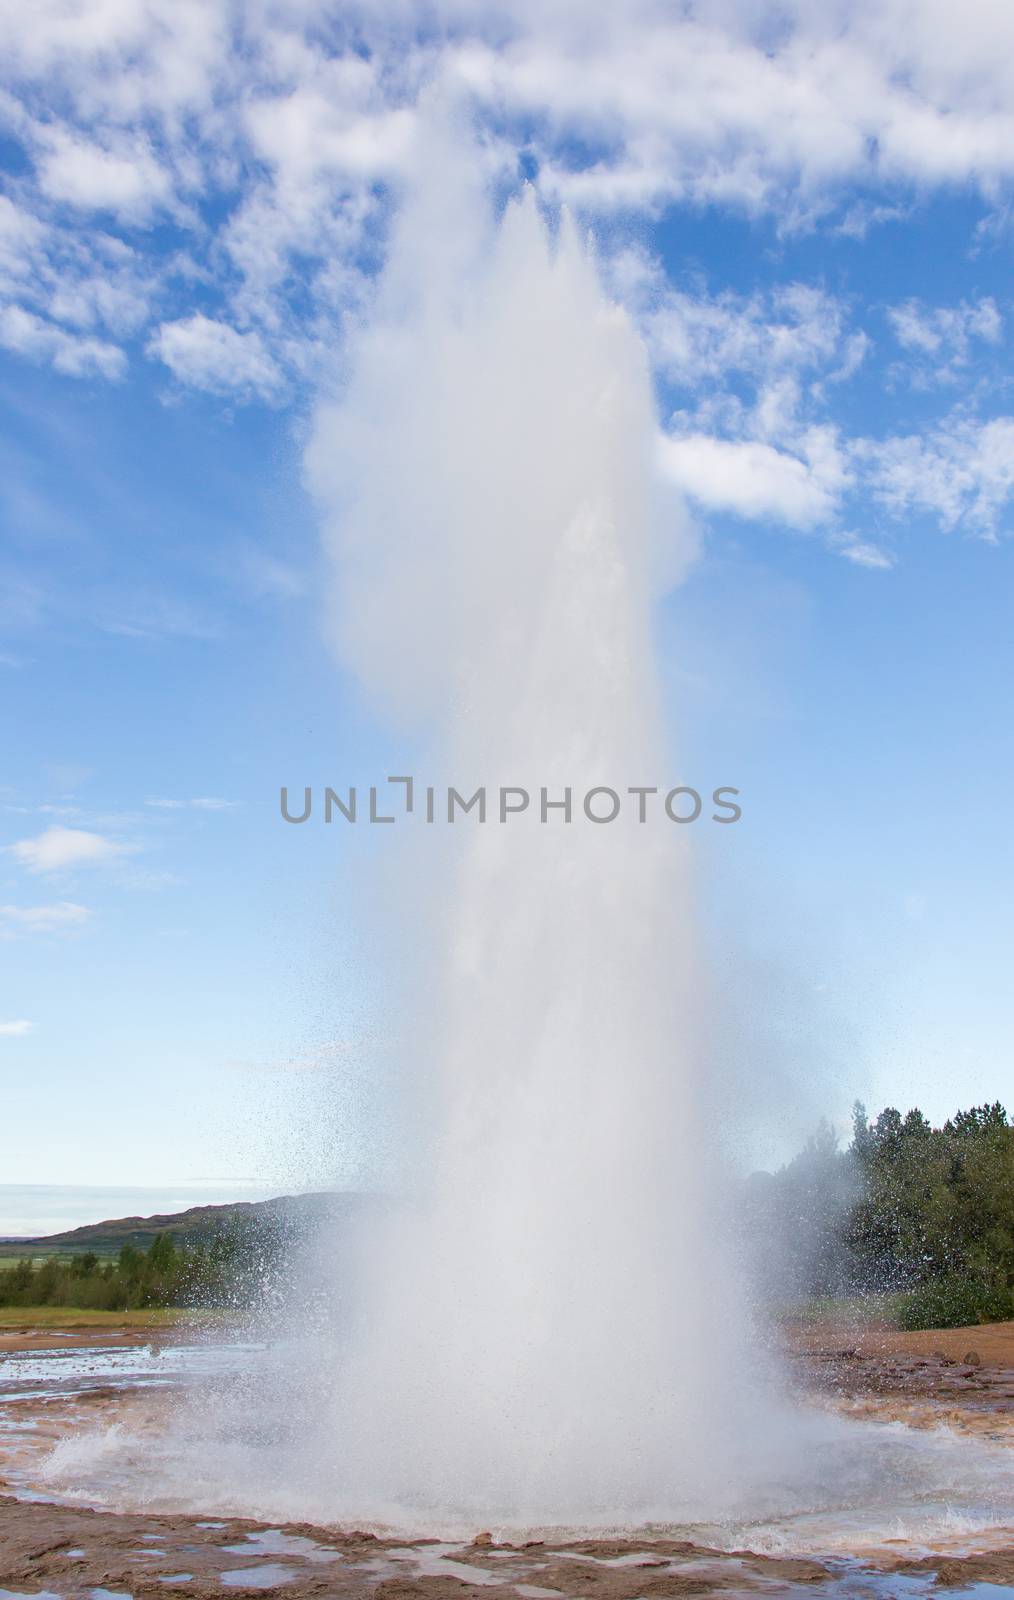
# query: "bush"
{"type": "Point", "coordinates": [954, 1301]}
{"type": "Point", "coordinates": [228, 1270]}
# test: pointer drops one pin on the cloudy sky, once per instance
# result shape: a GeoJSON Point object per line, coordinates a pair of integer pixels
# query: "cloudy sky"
{"type": "Point", "coordinates": [807, 210]}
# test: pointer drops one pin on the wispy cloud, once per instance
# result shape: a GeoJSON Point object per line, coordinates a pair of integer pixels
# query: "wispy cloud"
{"type": "Point", "coordinates": [863, 553]}
{"type": "Point", "coordinates": [202, 803]}
{"type": "Point", "coordinates": [276, 151]}
{"type": "Point", "coordinates": [274, 148]}
{"type": "Point", "coordinates": [76, 355]}
{"type": "Point", "coordinates": [119, 175]}
{"type": "Point", "coordinates": [216, 356]}
{"type": "Point", "coordinates": [961, 472]}
{"type": "Point", "coordinates": [147, 614]}
{"type": "Point", "coordinates": [942, 339]}
{"type": "Point", "coordinates": [59, 849]}
{"type": "Point", "coordinates": [15, 1030]}
{"type": "Point", "coordinates": [42, 919]}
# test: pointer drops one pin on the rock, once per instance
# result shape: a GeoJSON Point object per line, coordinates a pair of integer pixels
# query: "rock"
{"type": "Point", "coordinates": [973, 1359]}
{"type": "Point", "coordinates": [484, 1540]}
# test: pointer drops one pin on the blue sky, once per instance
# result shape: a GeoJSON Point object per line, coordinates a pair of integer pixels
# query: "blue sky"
{"type": "Point", "coordinates": [808, 216]}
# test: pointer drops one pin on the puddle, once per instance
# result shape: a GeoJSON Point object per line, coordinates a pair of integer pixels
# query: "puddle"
{"type": "Point", "coordinates": [436, 1561]}
{"type": "Point", "coordinates": [636, 1558]}
{"type": "Point", "coordinates": [865, 1585]}
{"type": "Point", "coordinates": [75, 1370]}
{"type": "Point", "coordinates": [724, 1578]}
{"type": "Point", "coordinates": [269, 1575]}
{"type": "Point", "coordinates": [19, 1594]}
{"type": "Point", "coordinates": [273, 1542]}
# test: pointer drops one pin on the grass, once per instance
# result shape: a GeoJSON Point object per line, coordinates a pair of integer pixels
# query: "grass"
{"type": "Point", "coordinates": [859, 1309]}
{"type": "Point", "coordinates": [79, 1317]}
{"type": "Point", "coordinates": [65, 1257]}
{"type": "Point", "coordinates": [10, 1258]}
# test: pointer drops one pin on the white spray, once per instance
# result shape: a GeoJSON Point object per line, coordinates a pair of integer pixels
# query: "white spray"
{"type": "Point", "coordinates": [532, 1346]}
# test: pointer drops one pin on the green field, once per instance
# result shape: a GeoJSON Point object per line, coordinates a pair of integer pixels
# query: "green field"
{"type": "Point", "coordinates": [10, 1258]}
{"type": "Point", "coordinates": [71, 1317]}
{"type": "Point", "coordinates": [861, 1310]}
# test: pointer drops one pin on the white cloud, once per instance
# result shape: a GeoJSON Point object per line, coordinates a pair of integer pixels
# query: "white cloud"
{"type": "Point", "coordinates": [42, 919]}
{"type": "Point", "coordinates": [125, 61]}
{"type": "Point", "coordinates": [21, 238]}
{"type": "Point", "coordinates": [961, 472]}
{"type": "Point", "coordinates": [864, 554]}
{"type": "Point", "coordinates": [861, 217]}
{"type": "Point", "coordinates": [202, 803]}
{"type": "Point", "coordinates": [114, 295]}
{"type": "Point", "coordinates": [695, 337]}
{"type": "Point", "coordinates": [720, 106]}
{"type": "Point", "coordinates": [756, 369]}
{"type": "Point", "coordinates": [75, 355]}
{"type": "Point", "coordinates": [127, 180]}
{"type": "Point", "coordinates": [15, 1030]}
{"type": "Point", "coordinates": [941, 337]}
{"type": "Point", "coordinates": [749, 478]}
{"type": "Point", "coordinates": [275, 147]}
{"type": "Point", "coordinates": [338, 122]}
{"type": "Point", "coordinates": [215, 356]}
{"type": "Point", "coordinates": [60, 848]}
{"type": "Point", "coordinates": [273, 134]}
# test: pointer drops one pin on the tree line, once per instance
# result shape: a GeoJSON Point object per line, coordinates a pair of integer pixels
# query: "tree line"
{"type": "Point", "coordinates": [923, 1213]}
{"type": "Point", "coordinates": [226, 1270]}
{"type": "Point", "coordinates": [920, 1213]}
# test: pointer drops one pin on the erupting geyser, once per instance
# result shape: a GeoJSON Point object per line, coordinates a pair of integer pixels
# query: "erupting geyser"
{"type": "Point", "coordinates": [535, 1336]}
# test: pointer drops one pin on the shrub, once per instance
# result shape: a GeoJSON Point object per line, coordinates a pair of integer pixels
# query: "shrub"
{"type": "Point", "coordinates": [954, 1301]}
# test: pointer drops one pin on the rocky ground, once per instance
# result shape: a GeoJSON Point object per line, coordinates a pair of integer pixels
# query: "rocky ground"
{"type": "Point", "coordinates": [70, 1551]}
{"type": "Point", "coordinates": [962, 1377]}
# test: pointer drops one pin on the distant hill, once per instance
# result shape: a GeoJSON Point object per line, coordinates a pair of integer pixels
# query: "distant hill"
{"type": "Point", "coordinates": [198, 1224]}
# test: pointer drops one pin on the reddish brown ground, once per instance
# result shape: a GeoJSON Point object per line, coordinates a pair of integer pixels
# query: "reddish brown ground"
{"type": "Point", "coordinates": [963, 1377]}
{"type": "Point", "coordinates": [921, 1378]}
{"type": "Point", "coordinates": [991, 1342]}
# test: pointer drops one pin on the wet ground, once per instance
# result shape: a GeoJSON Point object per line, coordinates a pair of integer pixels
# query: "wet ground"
{"type": "Point", "coordinates": [72, 1551]}
{"type": "Point", "coordinates": [916, 1378]}
{"type": "Point", "coordinates": [52, 1388]}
